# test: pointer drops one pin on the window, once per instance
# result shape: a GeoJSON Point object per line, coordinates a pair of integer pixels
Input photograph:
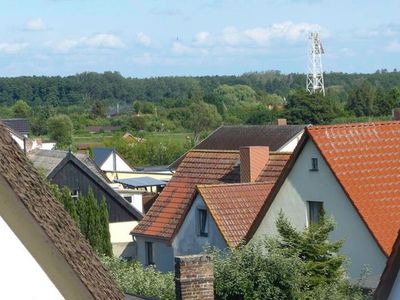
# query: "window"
{"type": "Point", "coordinates": [314, 211]}
{"type": "Point", "coordinates": [314, 164]}
{"type": "Point", "coordinates": [128, 198]}
{"type": "Point", "coordinates": [149, 254]}
{"type": "Point", "coordinates": [75, 194]}
{"type": "Point", "coordinates": [202, 222]}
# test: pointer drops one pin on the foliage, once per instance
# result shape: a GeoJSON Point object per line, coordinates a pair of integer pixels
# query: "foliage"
{"type": "Point", "coordinates": [303, 108]}
{"type": "Point", "coordinates": [361, 99]}
{"type": "Point", "coordinates": [91, 218]}
{"type": "Point", "coordinates": [99, 109]}
{"type": "Point", "coordinates": [295, 265]}
{"type": "Point", "coordinates": [323, 263]}
{"type": "Point", "coordinates": [21, 109]}
{"type": "Point", "coordinates": [135, 279]}
{"type": "Point", "coordinates": [60, 130]}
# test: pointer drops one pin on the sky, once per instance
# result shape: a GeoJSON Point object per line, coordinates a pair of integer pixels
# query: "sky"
{"type": "Point", "coordinates": [148, 38]}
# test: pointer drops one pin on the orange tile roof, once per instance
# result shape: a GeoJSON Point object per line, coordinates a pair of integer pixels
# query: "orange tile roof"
{"type": "Point", "coordinates": [234, 207]}
{"type": "Point", "coordinates": [365, 158]}
{"type": "Point", "coordinates": [199, 167]}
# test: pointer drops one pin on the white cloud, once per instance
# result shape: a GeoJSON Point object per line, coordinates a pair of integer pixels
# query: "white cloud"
{"type": "Point", "coordinates": [143, 39]}
{"type": "Point", "coordinates": [12, 48]}
{"type": "Point", "coordinates": [35, 25]}
{"type": "Point", "coordinates": [103, 40]}
{"type": "Point", "coordinates": [202, 38]}
{"type": "Point", "coordinates": [393, 46]}
{"type": "Point", "coordinates": [100, 40]}
{"type": "Point", "coordinates": [180, 48]}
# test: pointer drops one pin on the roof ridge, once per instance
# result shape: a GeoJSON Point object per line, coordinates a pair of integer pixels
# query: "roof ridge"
{"type": "Point", "coordinates": [213, 150]}
{"type": "Point", "coordinates": [357, 124]}
{"type": "Point", "coordinates": [201, 186]}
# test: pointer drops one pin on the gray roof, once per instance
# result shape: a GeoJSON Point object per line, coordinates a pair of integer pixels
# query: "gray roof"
{"type": "Point", "coordinates": [101, 154]}
{"type": "Point", "coordinates": [140, 182]}
{"type": "Point", "coordinates": [18, 124]}
{"type": "Point", "coordinates": [234, 137]}
{"type": "Point", "coordinates": [47, 160]}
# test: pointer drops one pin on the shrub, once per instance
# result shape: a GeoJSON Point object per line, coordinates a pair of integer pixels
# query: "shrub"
{"type": "Point", "coordinates": [135, 279]}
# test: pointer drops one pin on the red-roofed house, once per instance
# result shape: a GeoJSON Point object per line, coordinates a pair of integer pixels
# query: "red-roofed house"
{"type": "Point", "coordinates": [353, 172]}
{"type": "Point", "coordinates": [186, 216]}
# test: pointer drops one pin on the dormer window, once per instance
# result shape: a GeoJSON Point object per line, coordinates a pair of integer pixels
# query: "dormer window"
{"type": "Point", "coordinates": [314, 164]}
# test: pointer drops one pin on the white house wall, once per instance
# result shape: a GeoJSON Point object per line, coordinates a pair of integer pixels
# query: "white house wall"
{"type": "Point", "coordinates": [121, 166]}
{"type": "Point", "coordinates": [290, 145]}
{"type": "Point", "coordinates": [21, 276]}
{"type": "Point", "coordinates": [188, 242]}
{"type": "Point", "coordinates": [303, 185]}
{"type": "Point", "coordinates": [395, 292]}
{"type": "Point", "coordinates": [18, 140]}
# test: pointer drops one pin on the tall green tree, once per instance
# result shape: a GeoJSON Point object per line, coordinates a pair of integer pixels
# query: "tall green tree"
{"type": "Point", "coordinates": [105, 238]}
{"type": "Point", "coordinates": [361, 99]}
{"type": "Point", "coordinates": [69, 204]}
{"type": "Point", "coordinates": [92, 226]}
{"type": "Point", "coordinates": [323, 263]}
{"type": "Point", "coordinates": [60, 129]}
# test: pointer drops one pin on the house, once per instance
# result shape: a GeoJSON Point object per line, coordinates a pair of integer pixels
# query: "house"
{"type": "Point", "coordinates": [79, 173]}
{"type": "Point", "coordinates": [43, 253]}
{"type": "Point", "coordinates": [169, 228]}
{"type": "Point", "coordinates": [19, 125]}
{"type": "Point", "coordinates": [111, 162]}
{"type": "Point", "coordinates": [279, 138]}
{"type": "Point", "coordinates": [389, 285]}
{"type": "Point", "coordinates": [352, 171]}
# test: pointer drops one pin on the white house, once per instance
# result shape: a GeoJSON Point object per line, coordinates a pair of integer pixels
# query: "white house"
{"type": "Point", "coordinates": [111, 162]}
{"type": "Point", "coordinates": [43, 254]}
{"type": "Point", "coordinates": [185, 218]}
{"type": "Point", "coordinates": [352, 171]}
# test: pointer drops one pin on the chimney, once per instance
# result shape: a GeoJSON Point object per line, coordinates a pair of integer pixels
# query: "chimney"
{"type": "Point", "coordinates": [396, 114]}
{"type": "Point", "coordinates": [194, 277]}
{"type": "Point", "coordinates": [252, 161]}
{"type": "Point", "coordinates": [281, 122]}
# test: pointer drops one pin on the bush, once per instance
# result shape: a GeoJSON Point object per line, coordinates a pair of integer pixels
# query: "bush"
{"type": "Point", "coordinates": [135, 279]}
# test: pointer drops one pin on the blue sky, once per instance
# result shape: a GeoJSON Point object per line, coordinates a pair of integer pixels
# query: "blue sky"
{"type": "Point", "coordinates": [143, 38]}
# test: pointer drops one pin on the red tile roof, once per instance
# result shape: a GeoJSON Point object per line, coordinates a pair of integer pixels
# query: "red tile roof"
{"type": "Point", "coordinates": [365, 158]}
{"type": "Point", "coordinates": [200, 167]}
{"type": "Point", "coordinates": [234, 207]}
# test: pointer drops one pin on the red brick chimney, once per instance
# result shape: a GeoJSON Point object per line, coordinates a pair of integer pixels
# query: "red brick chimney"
{"type": "Point", "coordinates": [252, 161]}
{"type": "Point", "coordinates": [194, 277]}
{"type": "Point", "coordinates": [281, 122]}
{"type": "Point", "coordinates": [396, 114]}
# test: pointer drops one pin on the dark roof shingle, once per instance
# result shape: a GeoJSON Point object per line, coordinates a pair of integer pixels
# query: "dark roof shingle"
{"type": "Point", "coordinates": [35, 195]}
{"type": "Point", "coordinates": [20, 125]}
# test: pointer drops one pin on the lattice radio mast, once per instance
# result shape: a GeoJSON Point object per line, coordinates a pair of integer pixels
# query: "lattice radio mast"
{"type": "Point", "coordinates": [315, 76]}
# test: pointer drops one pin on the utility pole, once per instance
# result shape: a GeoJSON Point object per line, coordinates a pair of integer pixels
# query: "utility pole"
{"type": "Point", "coordinates": [315, 76]}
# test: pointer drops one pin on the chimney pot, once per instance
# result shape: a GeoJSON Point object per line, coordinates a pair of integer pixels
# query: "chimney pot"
{"type": "Point", "coordinates": [252, 161]}
{"type": "Point", "coordinates": [281, 122]}
{"type": "Point", "coordinates": [396, 114]}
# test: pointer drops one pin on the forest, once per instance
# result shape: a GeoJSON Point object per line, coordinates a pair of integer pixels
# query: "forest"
{"type": "Point", "coordinates": [63, 108]}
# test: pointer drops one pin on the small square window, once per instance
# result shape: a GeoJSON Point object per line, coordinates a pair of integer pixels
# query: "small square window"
{"type": "Point", "coordinates": [128, 198]}
{"type": "Point", "coordinates": [314, 164]}
{"type": "Point", "coordinates": [314, 211]}
{"type": "Point", "coordinates": [75, 194]}
{"type": "Point", "coordinates": [149, 254]}
{"type": "Point", "coordinates": [202, 222]}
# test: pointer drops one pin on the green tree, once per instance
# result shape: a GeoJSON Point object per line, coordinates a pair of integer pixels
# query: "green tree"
{"type": "Point", "coordinates": [105, 238]}
{"type": "Point", "coordinates": [98, 109]}
{"type": "Point", "coordinates": [323, 263]}
{"type": "Point", "coordinates": [92, 226]}
{"type": "Point", "coordinates": [305, 108]}
{"type": "Point", "coordinates": [60, 129]}
{"type": "Point", "coordinates": [21, 109]}
{"type": "Point", "coordinates": [361, 99]}
{"type": "Point", "coordinates": [136, 107]}
{"type": "Point", "coordinates": [202, 117]}
{"type": "Point", "coordinates": [69, 204]}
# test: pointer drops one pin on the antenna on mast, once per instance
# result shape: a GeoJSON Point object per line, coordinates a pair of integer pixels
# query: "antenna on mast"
{"type": "Point", "coordinates": [315, 76]}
